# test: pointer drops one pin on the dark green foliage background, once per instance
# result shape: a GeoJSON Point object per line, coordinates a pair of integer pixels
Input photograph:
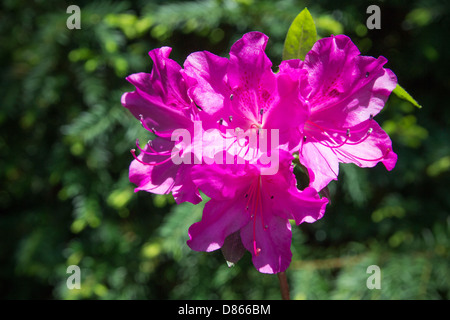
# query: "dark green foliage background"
{"type": "Point", "coordinates": [65, 197]}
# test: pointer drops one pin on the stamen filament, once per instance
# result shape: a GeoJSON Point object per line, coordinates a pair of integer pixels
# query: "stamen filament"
{"type": "Point", "coordinates": [154, 153]}
{"type": "Point", "coordinates": [345, 130]}
{"type": "Point", "coordinates": [133, 152]}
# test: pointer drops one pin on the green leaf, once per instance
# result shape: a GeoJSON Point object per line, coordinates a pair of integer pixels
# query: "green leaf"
{"type": "Point", "coordinates": [300, 37]}
{"type": "Point", "coordinates": [402, 94]}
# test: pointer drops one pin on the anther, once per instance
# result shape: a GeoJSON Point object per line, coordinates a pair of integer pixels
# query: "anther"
{"type": "Point", "coordinates": [371, 117]}
{"type": "Point", "coordinates": [348, 132]}
{"type": "Point", "coordinates": [367, 74]}
{"type": "Point", "coordinates": [230, 118]}
{"type": "Point", "coordinates": [231, 97]}
{"type": "Point", "coordinates": [221, 121]}
{"type": "Point", "coordinates": [369, 131]}
{"type": "Point", "coordinates": [271, 197]}
{"type": "Point", "coordinates": [261, 111]}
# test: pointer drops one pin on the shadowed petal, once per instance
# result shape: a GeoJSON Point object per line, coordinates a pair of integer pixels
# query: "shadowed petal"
{"type": "Point", "coordinates": [219, 220]}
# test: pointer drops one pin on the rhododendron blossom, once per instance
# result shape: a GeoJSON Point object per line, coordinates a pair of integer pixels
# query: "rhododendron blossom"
{"type": "Point", "coordinates": [230, 127]}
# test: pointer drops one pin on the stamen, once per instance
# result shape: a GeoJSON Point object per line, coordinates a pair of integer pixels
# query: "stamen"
{"type": "Point", "coordinates": [231, 97]}
{"type": "Point", "coordinates": [133, 152]}
{"type": "Point", "coordinates": [362, 139]}
{"type": "Point", "coordinates": [255, 201]}
{"type": "Point", "coordinates": [303, 143]}
{"type": "Point", "coordinates": [331, 146]}
{"type": "Point", "coordinates": [154, 153]}
{"type": "Point", "coordinates": [344, 131]}
{"type": "Point", "coordinates": [261, 112]}
{"type": "Point", "coordinates": [149, 143]}
{"type": "Point", "coordinates": [230, 118]}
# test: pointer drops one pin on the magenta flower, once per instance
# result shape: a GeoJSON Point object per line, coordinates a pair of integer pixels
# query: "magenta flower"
{"type": "Point", "coordinates": [344, 92]}
{"type": "Point", "coordinates": [254, 207]}
{"type": "Point", "coordinates": [161, 103]}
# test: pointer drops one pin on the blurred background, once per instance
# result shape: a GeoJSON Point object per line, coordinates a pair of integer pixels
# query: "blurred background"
{"type": "Point", "coordinates": [65, 198]}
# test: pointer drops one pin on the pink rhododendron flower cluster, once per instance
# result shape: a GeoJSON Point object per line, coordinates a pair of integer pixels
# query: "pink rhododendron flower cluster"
{"type": "Point", "coordinates": [230, 127]}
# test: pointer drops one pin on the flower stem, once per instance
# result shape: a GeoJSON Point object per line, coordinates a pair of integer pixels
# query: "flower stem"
{"type": "Point", "coordinates": [284, 287]}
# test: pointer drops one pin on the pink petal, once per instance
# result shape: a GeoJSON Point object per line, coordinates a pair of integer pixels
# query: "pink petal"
{"type": "Point", "coordinates": [220, 219]}
{"type": "Point", "coordinates": [367, 149]}
{"type": "Point", "coordinates": [206, 74]}
{"type": "Point", "coordinates": [346, 88]}
{"type": "Point", "coordinates": [306, 205]}
{"type": "Point", "coordinates": [321, 162]}
{"type": "Point", "coordinates": [161, 96]}
{"type": "Point", "coordinates": [250, 76]}
{"type": "Point", "coordinates": [275, 243]}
